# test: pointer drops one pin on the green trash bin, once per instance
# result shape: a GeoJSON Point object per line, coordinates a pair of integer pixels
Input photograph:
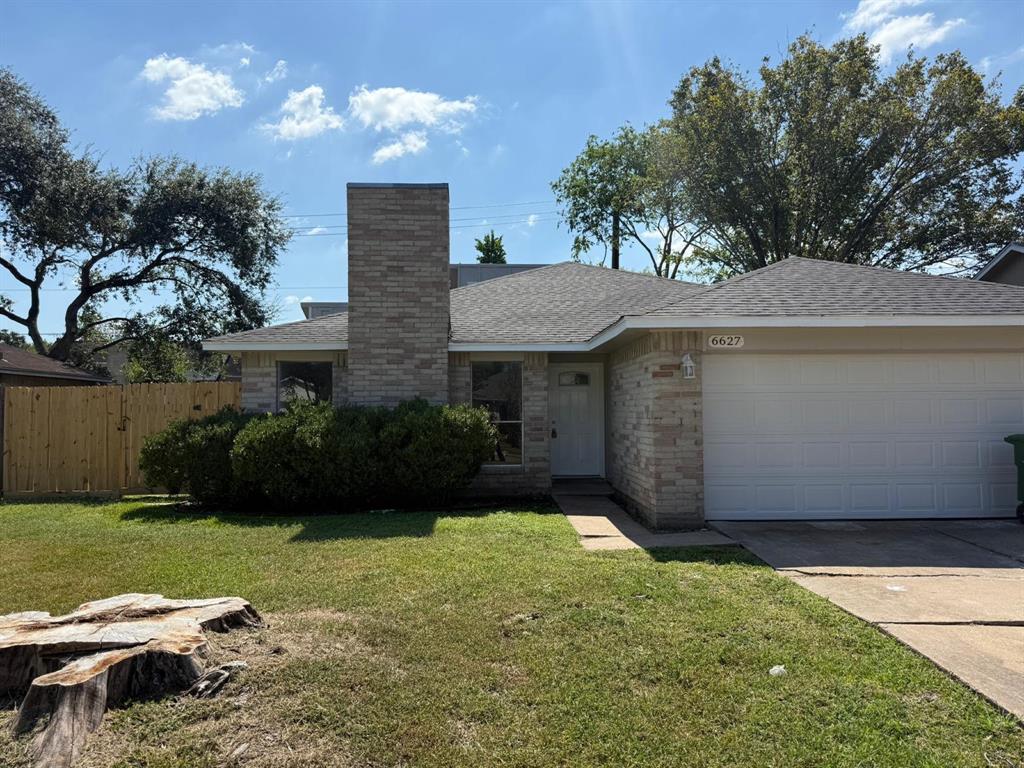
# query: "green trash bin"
{"type": "Point", "coordinates": [1017, 441]}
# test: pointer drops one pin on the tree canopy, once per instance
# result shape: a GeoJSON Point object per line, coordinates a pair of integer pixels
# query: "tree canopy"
{"type": "Point", "coordinates": [182, 251]}
{"type": "Point", "coordinates": [491, 249]}
{"type": "Point", "coordinates": [827, 156]}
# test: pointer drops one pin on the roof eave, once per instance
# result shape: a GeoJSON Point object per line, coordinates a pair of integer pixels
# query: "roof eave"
{"type": "Point", "coordinates": [273, 346]}
{"type": "Point", "coordinates": [646, 322]}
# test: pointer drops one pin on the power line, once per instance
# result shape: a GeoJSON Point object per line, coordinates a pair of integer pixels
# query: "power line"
{"type": "Point", "coordinates": [497, 220]}
{"type": "Point", "coordinates": [536, 220]}
{"type": "Point", "coordinates": [452, 208]}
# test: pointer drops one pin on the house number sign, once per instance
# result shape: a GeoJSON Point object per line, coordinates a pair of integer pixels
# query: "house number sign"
{"type": "Point", "coordinates": [725, 341]}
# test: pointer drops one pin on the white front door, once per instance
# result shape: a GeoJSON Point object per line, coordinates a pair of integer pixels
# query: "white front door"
{"type": "Point", "coordinates": [576, 407]}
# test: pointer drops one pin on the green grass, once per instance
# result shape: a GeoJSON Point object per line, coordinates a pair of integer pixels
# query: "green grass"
{"type": "Point", "coordinates": [492, 639]}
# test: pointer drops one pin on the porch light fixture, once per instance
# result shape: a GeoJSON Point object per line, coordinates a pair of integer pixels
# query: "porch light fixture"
{"type": "Point", "coordinates": [689, 367]}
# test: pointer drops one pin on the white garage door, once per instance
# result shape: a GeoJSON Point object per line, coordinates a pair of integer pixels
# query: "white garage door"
{"type": "Point", "coordinates": [860, 436]}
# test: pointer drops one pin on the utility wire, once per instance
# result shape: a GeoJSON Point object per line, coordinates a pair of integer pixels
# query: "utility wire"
{"type": "Point", "coordinates": [453, 208]}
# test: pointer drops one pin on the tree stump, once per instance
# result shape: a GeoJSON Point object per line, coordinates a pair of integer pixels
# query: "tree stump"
{"type": "Point", "coordinates": [72, 668]}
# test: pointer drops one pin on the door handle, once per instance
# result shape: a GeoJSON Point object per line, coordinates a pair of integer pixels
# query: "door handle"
{"type": "Point", "coordinates": [554, 432]}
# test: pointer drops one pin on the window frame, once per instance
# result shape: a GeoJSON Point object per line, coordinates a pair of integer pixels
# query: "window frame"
{"type": "Point", "coordinates": [278, 405]}
{"type": "Point", "coordinates": [521, 421]}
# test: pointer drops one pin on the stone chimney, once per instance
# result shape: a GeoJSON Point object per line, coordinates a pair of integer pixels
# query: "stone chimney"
{"type": "Point", "coordinates": [398, 285]}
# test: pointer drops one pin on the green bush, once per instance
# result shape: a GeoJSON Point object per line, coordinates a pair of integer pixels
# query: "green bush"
{"type": "Point", "coordinates": [194, 456]}
{"type": "Point", "coordinates": [430, 452]}
{"type": "Point", "coordinates": [315, 457]}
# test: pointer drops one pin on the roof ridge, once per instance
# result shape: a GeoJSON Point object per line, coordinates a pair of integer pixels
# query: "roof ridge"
{"type": "Point", "coordinates": [713, 286]}
{"type": "Point", "coordinates": [906, 273]}
{"type": "Point", "coordinates": [512, 274]}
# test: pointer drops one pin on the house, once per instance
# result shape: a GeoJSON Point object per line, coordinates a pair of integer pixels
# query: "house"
{"type": "Point", "coordinates": [807, 389]}
{"type": "Point", "coordinates": [21, 368]}
{"type": "Point", "coordinates": [458, 276]}
{"type": "Point", "coordinates": [1007, 266]}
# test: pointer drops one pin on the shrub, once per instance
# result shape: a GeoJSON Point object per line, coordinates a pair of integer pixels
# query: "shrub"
{"type": "Point", "coordinates": [429, 452]}
{"type": "Point", "coordinates": [310, 456]}
{"type": "Point", "coordinates": [194, 456]}
{"type": "Point", "coordinates": [314, 457]}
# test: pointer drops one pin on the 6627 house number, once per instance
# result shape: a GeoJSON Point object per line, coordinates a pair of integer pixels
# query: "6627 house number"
{"type": "Point", "coordinates": [723, 341]}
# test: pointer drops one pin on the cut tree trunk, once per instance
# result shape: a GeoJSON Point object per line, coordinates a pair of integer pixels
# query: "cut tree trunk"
{"type": "Point", "coordinates": [72, 668]}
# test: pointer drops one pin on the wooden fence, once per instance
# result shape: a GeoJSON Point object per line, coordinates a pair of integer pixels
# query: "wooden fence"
{"type": "Point", "coordinates": [87, 439]}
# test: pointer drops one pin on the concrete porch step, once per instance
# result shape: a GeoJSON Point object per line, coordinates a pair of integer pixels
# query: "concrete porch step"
{"type": "Point", "coordinates": [580, 486]}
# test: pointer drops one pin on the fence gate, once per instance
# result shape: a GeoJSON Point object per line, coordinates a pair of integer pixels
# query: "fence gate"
{"type": "Point", "coordinates": [87, 439]}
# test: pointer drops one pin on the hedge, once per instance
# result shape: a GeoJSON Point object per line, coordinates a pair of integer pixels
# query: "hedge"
{"type": "Point", "coordinates": [314, 457]}
{"type": "Point", "coordinates": [194, 456]}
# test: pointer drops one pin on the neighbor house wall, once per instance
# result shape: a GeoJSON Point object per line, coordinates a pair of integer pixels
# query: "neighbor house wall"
{"type": "Point", "coordinates": [398, 293]}
{"type": "Point", "coordinates": [1010, 271]}
{"type": "Point", "coordinates": [259, 377]}
{"type": "Point", "coordinates": [533, 476]}
{"type": "Point", "coordinates": [654, 449]}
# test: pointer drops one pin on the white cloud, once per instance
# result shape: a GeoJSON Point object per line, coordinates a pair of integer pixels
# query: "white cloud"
{"type": "Point", "coordinates": [279, 72]}
{"type": "Point", "coordinates": [293, 299]}
{"type": "Point", "coordinates": [244, 62]}
{"type": "Point", "coordinates": [304, 116]}
{"type": "Point", "coordinates": [531, 220]}
{"type": "Point", "coordinates": [317, 231]}
{"type": "Point", "coordinates": [894, 33]}
{"type": "Point", "coordinates": [411, 143]}
{"type": "Point", "coordinates": [993, 62]}
{"type": "Point", "coordinates": [193, 91]}
{"type": "Point", "coordinates": [392, 109]}
{"type": "Point", "coordinates": [872, 13]}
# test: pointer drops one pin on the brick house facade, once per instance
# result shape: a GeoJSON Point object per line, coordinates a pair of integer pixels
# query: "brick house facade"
{"type": "Point", "coordinates": [805, 389]}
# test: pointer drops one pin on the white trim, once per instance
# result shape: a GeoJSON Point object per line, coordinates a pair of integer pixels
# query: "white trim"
{"type": "Point", "coordinates": [683, 322]}
{"type": "Point", "coordinates": [998, 258]}
{"type": "Point", "coordinates": [273, 346]}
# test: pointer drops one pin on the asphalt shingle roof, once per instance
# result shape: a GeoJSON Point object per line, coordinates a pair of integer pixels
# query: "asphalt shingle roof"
{"type": "Point", "coordinates": [327, 328]}
{"type": "Point", "coordinates": [562, 303]}
{"type": "Point", "coordinates": [809, 287]}
{"type": "Point", "coordinates": [14, 360]}
{"type": "Point", "coordinates": [566, 303]}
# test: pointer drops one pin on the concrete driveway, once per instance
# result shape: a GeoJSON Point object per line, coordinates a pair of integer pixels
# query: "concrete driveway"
{"type": "Point", "coordinates": [951, 590]}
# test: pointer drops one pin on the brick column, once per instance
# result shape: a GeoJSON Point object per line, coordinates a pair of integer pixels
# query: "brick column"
{"type": "Point", "coordinates": [656, 451]}
{"type": "Point", "coordinates": [398, 288]}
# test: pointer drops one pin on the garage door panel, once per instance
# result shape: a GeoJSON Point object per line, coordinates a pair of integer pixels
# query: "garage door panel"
{"type": "Point", "coordinates": [861, 435]}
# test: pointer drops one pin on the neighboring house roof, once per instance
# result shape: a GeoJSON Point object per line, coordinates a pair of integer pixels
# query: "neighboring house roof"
{"type": "Point", "coordinates": [315, 309]}
{"type": "Point", "coordinates": [574, 306]}
{"type": "Point", "coordinates": [20, 362]}
{"type": "Point", "coordinates": [990, 272]}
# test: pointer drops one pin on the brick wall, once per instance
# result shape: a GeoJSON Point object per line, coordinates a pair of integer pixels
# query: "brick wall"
{"type": "Point", "coordinates": [398, 288]}
{"type": "Point", "coordinates": [655, 426]}
{"type": "Point", "coordinates": [259, 377]}
{"type": "Point", "coordinates": [534, 475]}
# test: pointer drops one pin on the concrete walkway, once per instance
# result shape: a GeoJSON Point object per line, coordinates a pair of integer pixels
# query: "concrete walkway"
{"type": "Point", "coordinates": [951, 590]}
{"type": "Point", "coordinates": [603, 524]}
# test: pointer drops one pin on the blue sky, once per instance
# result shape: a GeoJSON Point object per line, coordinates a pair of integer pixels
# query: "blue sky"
{"type": "Point", "coordinates": [493, 98]}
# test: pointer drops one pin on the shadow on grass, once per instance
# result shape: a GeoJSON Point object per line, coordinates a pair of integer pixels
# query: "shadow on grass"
{"type": "Point", "coordinates": [327, 526]}
{"type": "Point", "coordinates": [729, 555]}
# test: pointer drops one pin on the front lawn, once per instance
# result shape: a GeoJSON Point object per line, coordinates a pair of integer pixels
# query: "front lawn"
{"type": "Point", "coordinates": [491, 639]}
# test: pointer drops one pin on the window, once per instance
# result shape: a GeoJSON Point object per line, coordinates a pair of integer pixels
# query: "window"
{"type": "Point", "coordinates": [573, 379]}
{"type": "Point", "coordinates": [498, 387]}
{"type": "Point", "coordinates": [303, 381]}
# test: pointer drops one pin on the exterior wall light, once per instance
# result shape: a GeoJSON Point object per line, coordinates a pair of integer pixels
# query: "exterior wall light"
{"type": "Point", "coordinates": [689, 367]}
